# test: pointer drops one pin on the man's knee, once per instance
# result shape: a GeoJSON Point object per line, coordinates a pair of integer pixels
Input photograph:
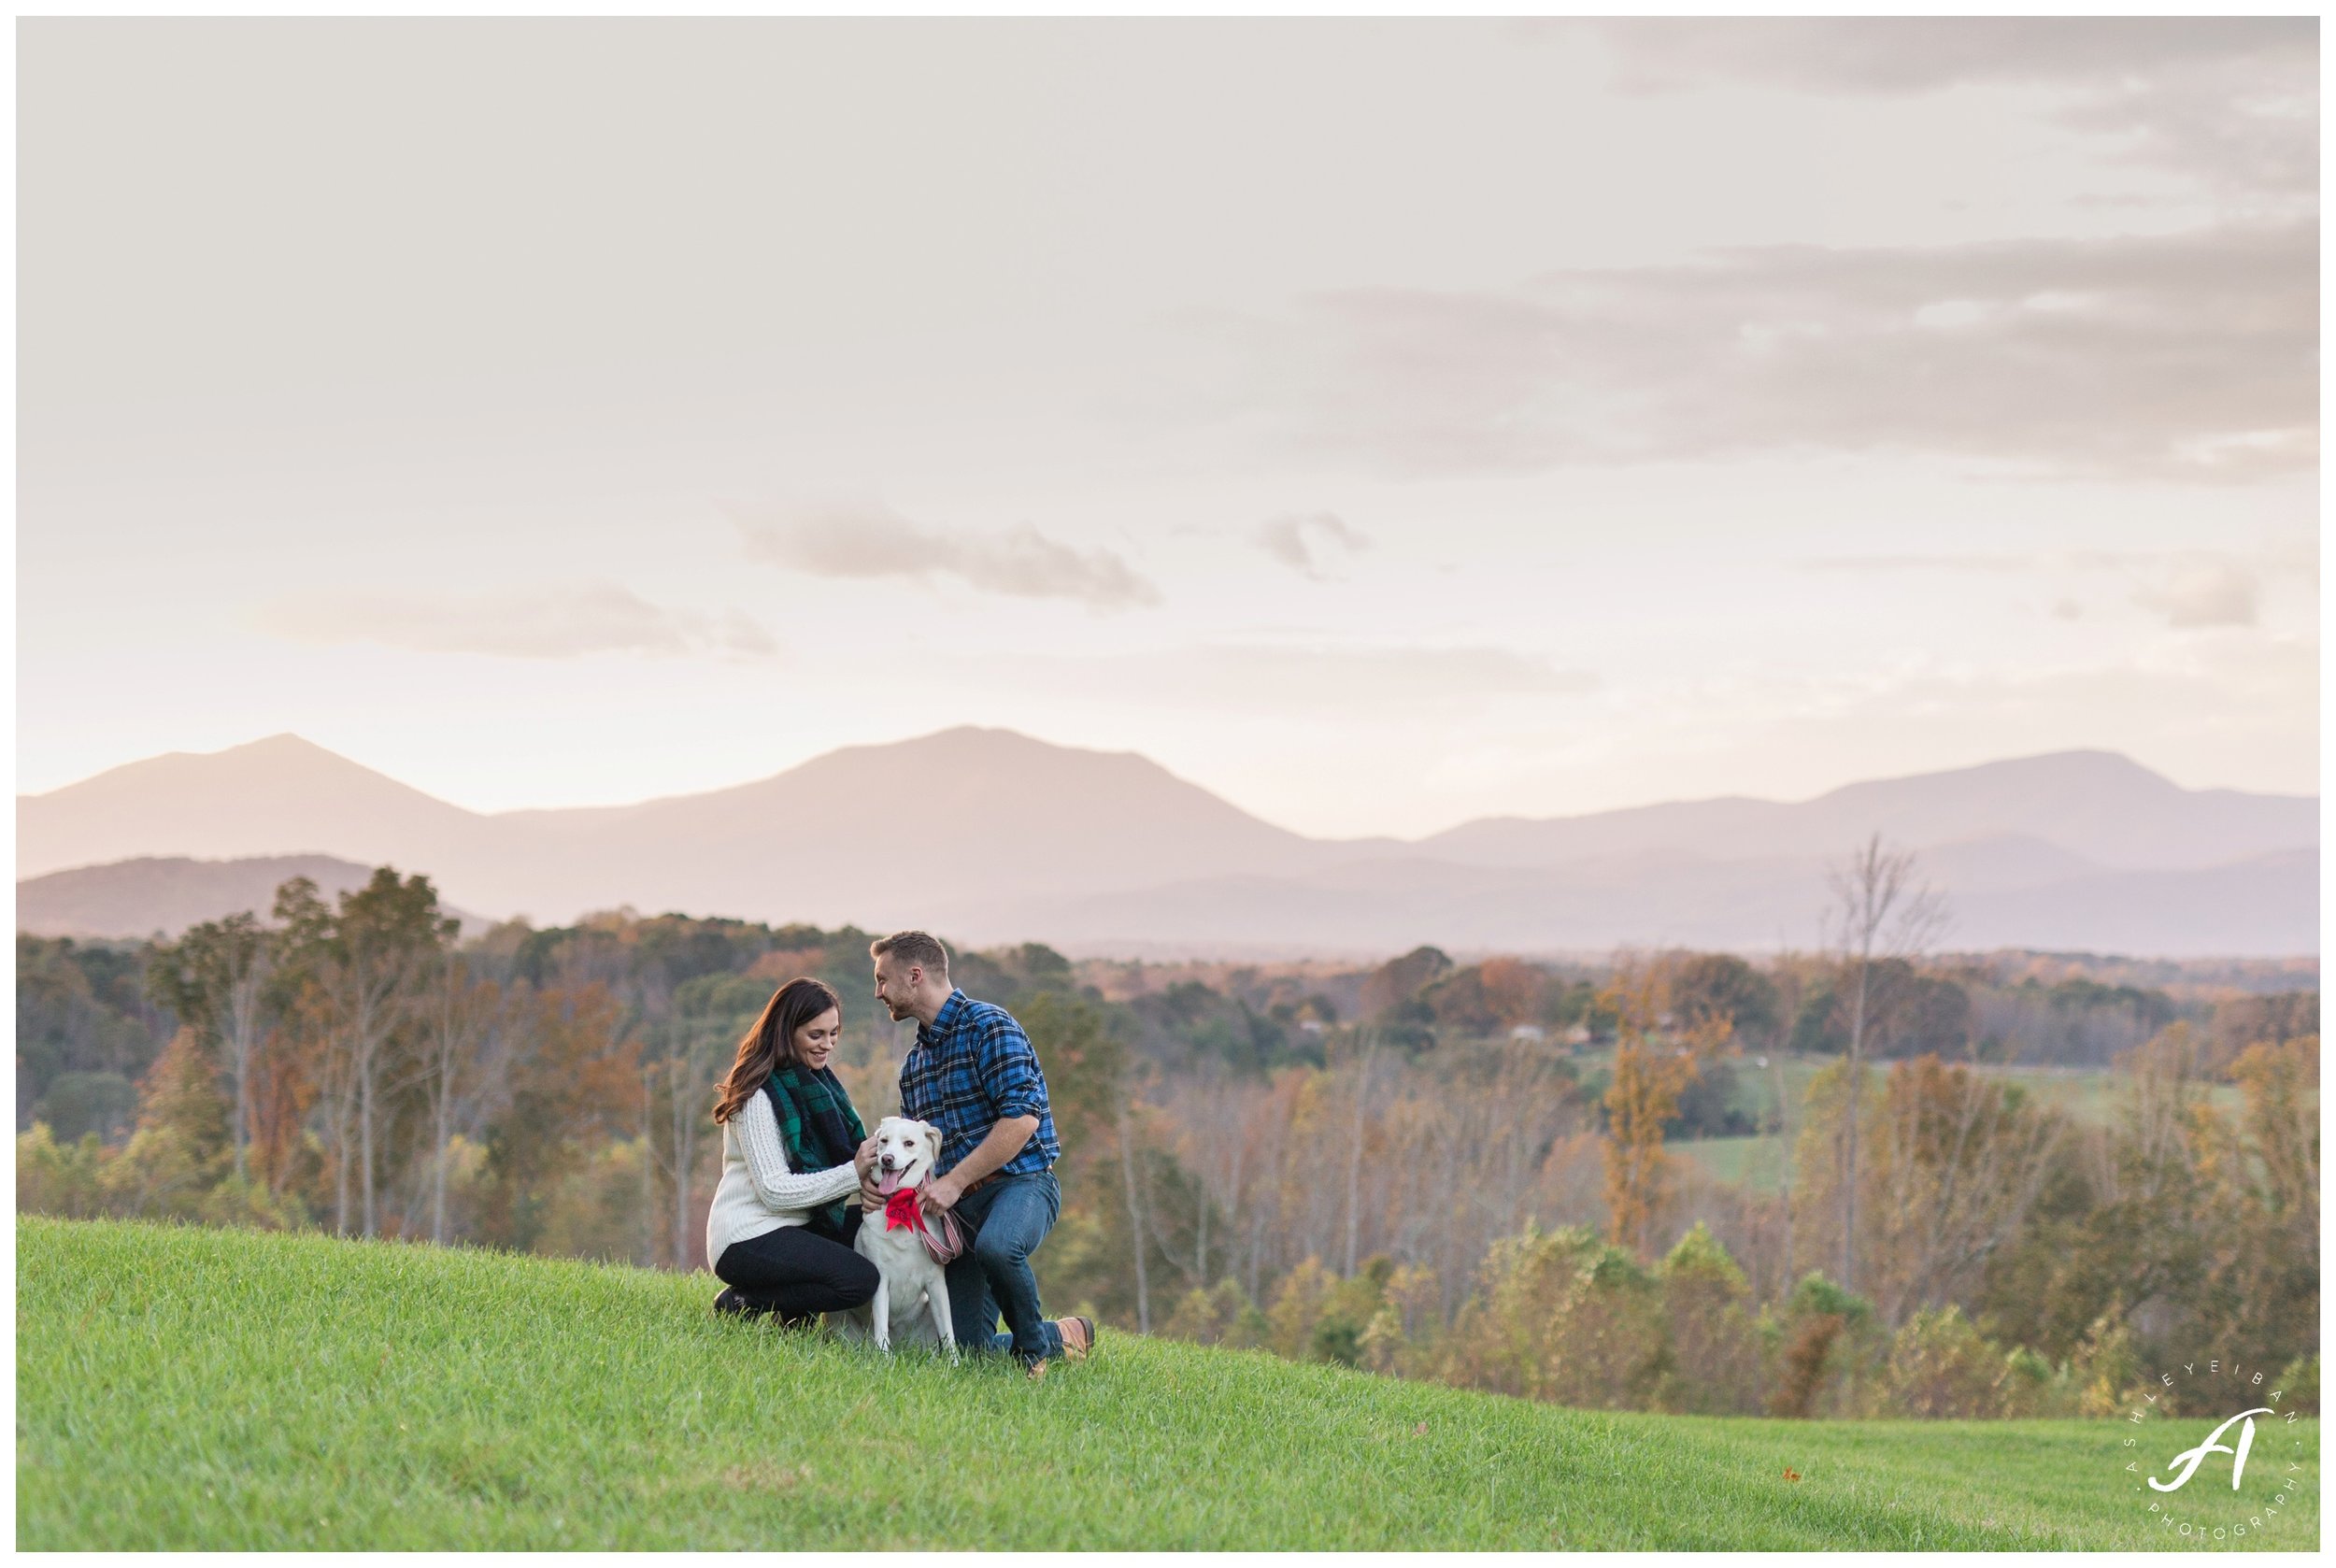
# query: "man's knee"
{"type": "Point", "coordinates": [994, 1249]}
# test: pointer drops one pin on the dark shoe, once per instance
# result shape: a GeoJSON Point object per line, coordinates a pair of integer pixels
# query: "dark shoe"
{"type": "Point", "coordinates": [733, 1302]}
{"type": "Point", "coordinates": [1078, 1337]}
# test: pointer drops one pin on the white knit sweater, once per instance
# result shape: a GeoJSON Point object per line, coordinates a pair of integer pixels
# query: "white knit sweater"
{"type": "Point", "coordinates": [758, 1192]}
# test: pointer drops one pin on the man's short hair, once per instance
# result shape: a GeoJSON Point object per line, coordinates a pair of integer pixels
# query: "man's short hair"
{"type": "Point", "coordinates": [916, 948]}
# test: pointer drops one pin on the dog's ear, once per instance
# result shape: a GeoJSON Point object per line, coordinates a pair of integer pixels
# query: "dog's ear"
{"type": "Point", "coordinates": [932, 1144]}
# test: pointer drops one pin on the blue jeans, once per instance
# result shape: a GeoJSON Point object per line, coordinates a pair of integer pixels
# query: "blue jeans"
{"type": "Point", "coordinates": [1005, 1220]}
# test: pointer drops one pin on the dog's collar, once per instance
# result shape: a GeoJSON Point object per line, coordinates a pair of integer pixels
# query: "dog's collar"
{"type": "Point", "coordinates": [903, 1212]}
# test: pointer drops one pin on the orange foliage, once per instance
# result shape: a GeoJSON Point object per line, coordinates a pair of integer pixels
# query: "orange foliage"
{"type": "Point", "coordinates": [1652, 1067]}
{"type": "Point", "coordinates": [1512, 988]}
{"type": "Point", "coordinates": [281, 1092]}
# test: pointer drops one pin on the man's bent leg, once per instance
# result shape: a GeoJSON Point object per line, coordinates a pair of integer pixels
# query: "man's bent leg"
{"type": "Point", "coordinates": [1019, 1216]}
{"type": "Point", "coordinates": [972, 1310]}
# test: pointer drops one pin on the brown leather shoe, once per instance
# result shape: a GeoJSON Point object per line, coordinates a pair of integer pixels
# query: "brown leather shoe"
{"type": "Point", "coordinates": [1078, 1337]}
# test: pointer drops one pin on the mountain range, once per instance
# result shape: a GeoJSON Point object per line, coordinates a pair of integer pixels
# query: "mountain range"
{"type": "Point", "coordinates": [994, 837]}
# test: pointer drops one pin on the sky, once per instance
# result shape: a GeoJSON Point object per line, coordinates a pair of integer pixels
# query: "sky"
{"type": "Point", "coordinates": [1380, 424]}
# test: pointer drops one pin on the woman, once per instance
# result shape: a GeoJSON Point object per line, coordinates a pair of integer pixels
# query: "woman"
{"type": "Point", "coordinates": [779, 1234]}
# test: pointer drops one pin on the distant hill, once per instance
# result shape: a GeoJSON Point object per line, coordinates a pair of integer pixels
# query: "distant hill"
{"type": "Point", "coordinates": [131, 900]}
{"type": "Point", "coordinates": [277, 796]}
{"type": "Point", "coordinates": [999, 837]}
{"type": "Point", "coordinates": [2104, 807]}
{"type": "Point", "coordinates": [2265, 906]}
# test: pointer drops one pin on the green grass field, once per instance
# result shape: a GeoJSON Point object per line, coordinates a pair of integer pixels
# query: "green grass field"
{"type": "Point", "coordinates": [181, 1388]}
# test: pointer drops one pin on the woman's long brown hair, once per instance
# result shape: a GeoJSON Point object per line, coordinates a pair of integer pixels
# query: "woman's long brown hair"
{"type": "Point", "coordinates": [771, 1043]}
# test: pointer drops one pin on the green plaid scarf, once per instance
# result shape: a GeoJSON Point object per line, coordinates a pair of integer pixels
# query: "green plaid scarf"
{"type": "Point", "coordinates": [818, 1128]}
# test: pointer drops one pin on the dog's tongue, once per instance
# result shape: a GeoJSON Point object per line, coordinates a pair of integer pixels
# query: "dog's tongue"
{"type": "Point", "coordinates": [887, 1182]}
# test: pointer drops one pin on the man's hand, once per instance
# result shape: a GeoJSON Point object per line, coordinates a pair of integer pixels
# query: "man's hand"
{"type": "Point", "coordinates": [1005, 1140]}
{"type": "Point", "coordinates": [941, 1193]}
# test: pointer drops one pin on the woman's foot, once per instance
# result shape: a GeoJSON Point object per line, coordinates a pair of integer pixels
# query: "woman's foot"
{"type": "Point", "coordinates": [733, 1302]}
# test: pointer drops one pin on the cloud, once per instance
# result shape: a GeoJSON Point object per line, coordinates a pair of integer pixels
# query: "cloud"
{"type": "Point", "coordinates": [559, 622]}
{"type": "Point", "coordinates": [874, 541]}
{"type": "Point", "coordinates": [2234, 101]}
{"type": "Point", "coordinates": [2191, 355]}
{"type": "Point", "coordinates": [1306, 542]}
{"type": "Point", "coordinates": [2202, 592]}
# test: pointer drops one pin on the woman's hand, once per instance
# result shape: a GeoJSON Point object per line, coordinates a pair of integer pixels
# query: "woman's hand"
{"type": "Point", "coordinates": [864, 1162]}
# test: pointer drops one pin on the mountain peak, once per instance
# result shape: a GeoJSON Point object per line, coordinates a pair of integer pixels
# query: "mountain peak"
{"type": "Point", "coordinates": [2082, 769]}
{"type": "Point", "coordinates": [988, 741]}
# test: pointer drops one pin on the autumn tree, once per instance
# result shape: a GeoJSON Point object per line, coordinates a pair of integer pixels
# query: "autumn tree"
{"type": "Point", "coordinates": [1397, 980]}
{"type": "Point", "coordinates": [1956, 1161]}
{"type": "Point", "coordinates": [1723, 986]}
{"type": "Point", "coordinates": [182, 1145]}
{"type": "Point", "coordinates": [1652, 1066]}
{"type": "Point", "coordinates": [365, 962]}
{"type": "Point", "coordinates": [1512, 990]}
{"type": "Point", "coordinates": [573, 1082]}
{"type": "Point", "coordinates": [216, 978]}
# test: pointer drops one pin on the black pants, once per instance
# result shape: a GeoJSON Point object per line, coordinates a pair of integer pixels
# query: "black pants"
{"type": "Point", "coordinates": [795, 1273]}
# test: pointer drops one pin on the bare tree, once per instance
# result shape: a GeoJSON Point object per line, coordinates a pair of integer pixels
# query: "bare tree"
{"type": "Point", "coordinates": [685, 1078]}
{"type": "Point", "coordinates": [1136, 1214]}
{"type": "Point", "coordinates": [1367, 1043]}
{"type": "Point", "coordinates": [1881, 909]}
{"type": "Point", "coordinates": [1961, 1164]}
{"type": "Point", "coordinates": [455, 1064]}
{"type": "Point", "coordinates": [1789, 980]}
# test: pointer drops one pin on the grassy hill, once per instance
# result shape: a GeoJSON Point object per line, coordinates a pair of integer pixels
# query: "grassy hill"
{"type": "Point", "coordinates": [184, 1389]}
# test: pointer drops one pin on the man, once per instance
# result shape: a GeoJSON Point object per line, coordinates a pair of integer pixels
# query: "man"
{"type": "Point", "coordinates": [974, 1075]}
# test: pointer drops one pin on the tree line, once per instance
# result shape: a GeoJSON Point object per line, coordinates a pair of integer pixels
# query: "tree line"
{"type": "Point", "coordinates": [1398, 1167]}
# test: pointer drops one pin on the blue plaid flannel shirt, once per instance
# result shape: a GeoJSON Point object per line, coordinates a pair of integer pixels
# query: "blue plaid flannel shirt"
{"type": "Point", "coordinates": [970, 1069]}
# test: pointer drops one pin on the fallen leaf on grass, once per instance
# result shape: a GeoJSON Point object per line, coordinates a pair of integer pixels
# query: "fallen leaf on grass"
{"type": "Point", "coordinates": [1790, 1474]}
{"type": "Point", "coordinates": [1420, 1430]}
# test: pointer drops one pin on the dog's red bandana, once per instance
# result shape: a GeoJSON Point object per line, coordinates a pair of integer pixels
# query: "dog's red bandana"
{"type": "Point", "coordinates": [903, 1210]}
{"type": "Point", "coordinates": [900, 1209]}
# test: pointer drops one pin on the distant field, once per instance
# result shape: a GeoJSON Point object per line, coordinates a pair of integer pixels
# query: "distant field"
{"type": "Point", "coordinates": [181, 1388]}
{"type": "Point", "coordinates": [1745, 1162]}
{"type": "Point", "coordinates": [2088, 1094]}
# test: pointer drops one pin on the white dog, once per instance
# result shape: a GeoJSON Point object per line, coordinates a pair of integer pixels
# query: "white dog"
{"type": "Point", "coordinates": [912, 1297]}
